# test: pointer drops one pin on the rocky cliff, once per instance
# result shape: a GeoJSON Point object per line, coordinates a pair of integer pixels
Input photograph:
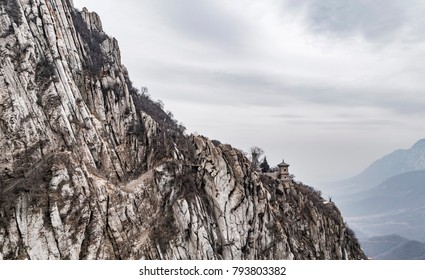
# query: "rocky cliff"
{"type": "Point", "coordinates": [90, 168]}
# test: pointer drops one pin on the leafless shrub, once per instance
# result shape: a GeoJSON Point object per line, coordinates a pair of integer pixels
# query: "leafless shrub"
{"type": "Point", "coordinates": [164, 229]}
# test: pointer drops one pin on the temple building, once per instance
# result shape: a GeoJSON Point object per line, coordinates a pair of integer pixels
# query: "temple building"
{"type": "Point", "coordinates": [283, 173]}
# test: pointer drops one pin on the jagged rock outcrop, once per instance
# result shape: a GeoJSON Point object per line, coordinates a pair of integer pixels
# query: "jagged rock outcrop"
{"type": "Point", "coordinates": [92, 169]}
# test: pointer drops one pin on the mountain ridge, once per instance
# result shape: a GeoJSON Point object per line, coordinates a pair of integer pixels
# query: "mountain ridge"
{"type": "Point", "coordinates": [394, 204]}
{"type": "Point", "coordinates": [397, 162]}
{"type": "Point", "coordinates": [394, 247]}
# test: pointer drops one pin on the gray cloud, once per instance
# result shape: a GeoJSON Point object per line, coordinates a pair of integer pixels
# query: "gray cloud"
{"type": "Point", "coordinates": [209, 22]}
{"type": "Point", "coordinates": [377, 20]}
{"type": "Point", "coordinates": [336, 120]}
{"type": "Point", "coordinates": [370, 123]}
{"type": "Point", "coordinates": [204, 21]}
{"type": "Point", "coordinates": [254, 89]}
{"type": "Point", "coordinates": [288, 116]}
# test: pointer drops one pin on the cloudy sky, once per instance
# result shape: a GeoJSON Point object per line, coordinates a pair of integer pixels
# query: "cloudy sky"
{"type": "Point", "coordinates": [328, 85]}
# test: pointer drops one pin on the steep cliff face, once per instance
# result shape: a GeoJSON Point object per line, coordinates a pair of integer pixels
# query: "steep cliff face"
{"type": "Point", "coordinates": [92, 169]}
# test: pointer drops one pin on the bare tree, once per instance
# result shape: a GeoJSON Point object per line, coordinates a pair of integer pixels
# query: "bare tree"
{"type": "Point", "coordinates": [256, 153]}
{"type": "Point", "coordinates": [144, 90]}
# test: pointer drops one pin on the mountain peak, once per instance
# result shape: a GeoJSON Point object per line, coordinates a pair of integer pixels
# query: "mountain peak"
{"type": "Point", "coordinates": [392, 164]}
{"type": "Point", "coordinates": [419, 145]}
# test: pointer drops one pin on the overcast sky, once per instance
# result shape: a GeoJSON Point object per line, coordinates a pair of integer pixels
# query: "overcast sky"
{"type": "Point", "coordinates": [328, 85]}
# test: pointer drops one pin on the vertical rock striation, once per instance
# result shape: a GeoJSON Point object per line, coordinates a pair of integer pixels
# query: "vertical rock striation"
{"type": "Point", "coordinates": [92, 169]}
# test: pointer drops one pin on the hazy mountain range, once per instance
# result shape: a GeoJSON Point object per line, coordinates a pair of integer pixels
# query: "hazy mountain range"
{"type": "Point", "coordinates": [395, 163]}
{"type": "Point", "coordinates": [388, 197]}
{"type": "Point", "coordinates": [393, 247]}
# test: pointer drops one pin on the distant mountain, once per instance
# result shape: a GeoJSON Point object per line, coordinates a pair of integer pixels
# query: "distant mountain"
{"type": "Point", "coordinates": [397, 205]}
{"type": "Point", "coordinates": [398, 193]}
{"type": "Point", "coordinates": [395, 163]}
{"type": "Point", "coordinates": [393, 247]}
{"type": "Point", "coordinates": [388, 196]}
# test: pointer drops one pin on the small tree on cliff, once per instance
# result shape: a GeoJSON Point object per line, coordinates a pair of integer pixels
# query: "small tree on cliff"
{"type": "Point", "coordinates": [265, 167]}
{"type": "Point", "coordinates": [256, 153]}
